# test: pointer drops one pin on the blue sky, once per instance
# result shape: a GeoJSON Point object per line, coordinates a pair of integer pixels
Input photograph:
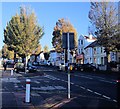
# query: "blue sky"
{"type": "Point", "coordinates": [47, 14]}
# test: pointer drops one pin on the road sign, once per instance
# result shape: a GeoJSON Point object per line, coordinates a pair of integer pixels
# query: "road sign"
{"type": "Point", "coordinates": [65, 41]}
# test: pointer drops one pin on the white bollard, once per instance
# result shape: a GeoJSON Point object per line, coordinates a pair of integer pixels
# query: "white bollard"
{"type": "Point", "coordinates": [27, 98]}
{"type": "Point", "coordinates": [11, 72]}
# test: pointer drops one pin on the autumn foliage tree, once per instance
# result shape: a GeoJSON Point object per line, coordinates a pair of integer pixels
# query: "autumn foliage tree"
{"type": "Point", "coordinates": [62, 25]}
{"type": "Point", "coordinates": [22, 33]}
{"type": "Point", "coordinates": [7, 53]}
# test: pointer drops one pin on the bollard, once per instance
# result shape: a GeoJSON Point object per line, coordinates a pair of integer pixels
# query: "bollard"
{"type": "Point", "coordinates": [11, 72]}
{"type": "Point", "coordinates": [27, 97]}
{"type": "Point", "coordinates": [118, 92]}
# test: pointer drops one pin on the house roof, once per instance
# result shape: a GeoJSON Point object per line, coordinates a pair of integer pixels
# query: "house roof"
{"type": "Point", "coordinates": [93, 44]}
{"type": "Point", "coordinates": [92, 37]}
{"type": "Point", "coordinates": [52, 51]}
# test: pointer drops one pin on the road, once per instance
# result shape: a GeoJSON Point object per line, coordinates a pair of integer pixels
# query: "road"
{"type": "Point", "coordinates": [88, 89]}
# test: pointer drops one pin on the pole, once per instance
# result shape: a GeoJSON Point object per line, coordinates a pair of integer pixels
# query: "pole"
{"type": "Point", "coordinates": [11, 72]}
{"type": "Point", "coordinates": [68, 68]}
{"type": "Point", "coordinates": [27, 97]}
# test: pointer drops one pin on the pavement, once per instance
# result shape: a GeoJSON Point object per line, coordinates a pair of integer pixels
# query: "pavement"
{"type": "Point", "coordinates": [16, 99]}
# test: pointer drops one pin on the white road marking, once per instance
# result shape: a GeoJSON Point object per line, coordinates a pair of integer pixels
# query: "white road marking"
{"type": "Point", "coordinates": [59, 87]}
{"type": "Point", "coordinates": [51, 77]}
{"type": "Point", "coordinates": [106, 97]}
{"type": "Point", "coordinates": [82, 87]}
{"type": "Point", "coordinates": [37, 82]}
{"type": "Point", "coordinates": [49, 88]}
{"type": "Point", "coordinates": [84, 76]}
{"type": "Point", "coordinates": [77, 85]}
{"type": "Point", "coordinates": [115, 100]}
{"type": "Point", "coordinates": [35, 94]}
{"type": "Point", "coordinates": [108, 81]}
{"type": "Point", "coordinates": [72, 83]}
{"type": "Point", "coordinates": [89, 90]}
{"type": "Point", "coordinates": [101, 78]}
{"type": "Point", "coordinates": [10, 80]}
{"type": "Point", "coordinates": [16, 86]}
{"type": "Point", "coordinates": [97, 93]}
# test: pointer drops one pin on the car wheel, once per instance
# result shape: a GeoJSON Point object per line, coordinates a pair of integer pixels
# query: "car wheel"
{"type": "Point", "coordinates": [94, 70]}
{"type": "Point", "coordinates": [81, 69]}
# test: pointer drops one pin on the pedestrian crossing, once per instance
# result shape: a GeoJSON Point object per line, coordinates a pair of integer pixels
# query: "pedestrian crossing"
{"type": "Point", "coordinates": [14, 80]}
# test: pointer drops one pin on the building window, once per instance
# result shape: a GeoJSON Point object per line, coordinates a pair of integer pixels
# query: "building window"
{"type": "Point", "coordinates": [94, 50]}
{"type": "Point", "coordinates": [81, 42]}
{"type": "Point", "coordinates": [81, 50]}
{"type": "Point", "coordinates": [101, 49]}
{"type": "Point", "coordinates": [101, 60]}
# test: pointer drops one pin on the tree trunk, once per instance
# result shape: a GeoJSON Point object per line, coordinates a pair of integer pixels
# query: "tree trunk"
{"type": "Point", "coordinates": [14, 57]}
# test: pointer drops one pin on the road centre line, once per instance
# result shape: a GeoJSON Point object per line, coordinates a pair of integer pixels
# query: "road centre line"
{"type": "Point", "coordinates": [101, 79]}
{"type": "Point", "coordinates": [115, 100]}
{"type": "Point", "coordinates": [84, 77]}
{"type": "Point", "coordinates": [82, 87]}
{"type": "Point", "coordinates": [106, 97]}
{"type": "Point", "coordinates": [97, 93]}
{"type": "Point", "coordinates": [108, 81]}
{"type": "Point", "coordinates": [89, 90]}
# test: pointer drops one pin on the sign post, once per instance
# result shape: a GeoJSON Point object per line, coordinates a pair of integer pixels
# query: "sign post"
{"type": "Point", "coordinates": [68, 67]}
{"type": "Point", "coordinates": [68, 44]}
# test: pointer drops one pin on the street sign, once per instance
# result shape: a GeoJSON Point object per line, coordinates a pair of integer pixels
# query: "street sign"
{"type": "Point", "coordinates": [65, 41]}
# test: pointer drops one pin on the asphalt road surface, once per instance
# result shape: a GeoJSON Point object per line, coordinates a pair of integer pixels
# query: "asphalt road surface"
{"type": "Point", "coordinates": [49, 89]}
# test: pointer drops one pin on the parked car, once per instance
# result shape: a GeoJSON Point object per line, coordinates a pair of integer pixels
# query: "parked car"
{"type": "Point", "coordinates": [86, 67]}
{"type": "Point", "coordinates": [31, 67]}
{"type": "Point", "coordinates": [10, 62]}
{"type": "Point", "coordinates": [62, 67]}
{"type": "Point", "coordinates": [19, 66]}
{"type": "Point", "coordinates": [35, 63]}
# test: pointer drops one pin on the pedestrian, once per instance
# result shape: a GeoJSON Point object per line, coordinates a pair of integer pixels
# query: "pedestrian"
{"type": "Point", "coordinates": [4, 65]}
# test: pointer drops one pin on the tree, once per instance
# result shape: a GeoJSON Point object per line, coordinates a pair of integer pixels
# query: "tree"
{"type": "Point", "coordinates": [46, 49]}
{"type": "Point", "coordinates": [22, 33]}
{"type": "Point", "coordinates": [38, 49]}
{"type": "Point", "coordinates": [62, 25]}
{"type": "Point", "coordinates": [6, 53]}
{"type": "Point", "coordinates": [103, 17]}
